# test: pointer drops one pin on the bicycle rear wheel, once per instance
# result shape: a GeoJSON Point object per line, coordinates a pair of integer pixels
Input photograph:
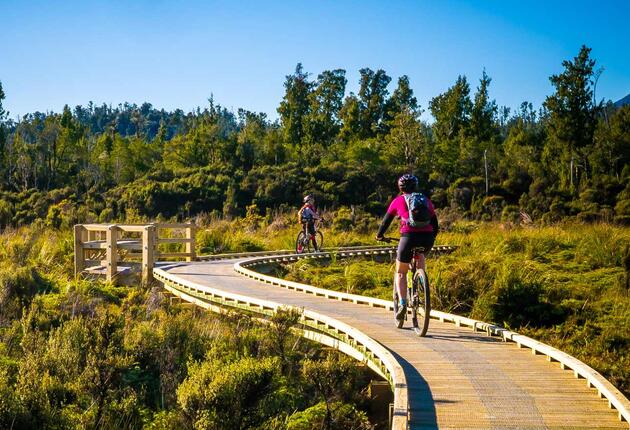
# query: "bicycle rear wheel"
{"type": "Point", "coordinates": [302, 243]}
{"type": "Point", "coordinates": [421, 302]}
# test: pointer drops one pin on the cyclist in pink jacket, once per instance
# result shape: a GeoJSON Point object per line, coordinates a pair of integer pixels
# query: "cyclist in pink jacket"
{"type": "Point", "coordinates": [418, 228]}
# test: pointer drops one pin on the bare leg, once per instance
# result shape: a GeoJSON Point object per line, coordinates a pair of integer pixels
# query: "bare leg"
{"type": "Point", "coordinates": [401, 279]}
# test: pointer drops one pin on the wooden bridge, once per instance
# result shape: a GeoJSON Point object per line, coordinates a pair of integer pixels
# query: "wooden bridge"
{"type": "Point", "coordinates": [465, 374]}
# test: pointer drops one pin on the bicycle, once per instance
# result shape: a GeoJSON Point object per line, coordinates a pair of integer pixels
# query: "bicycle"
{"type": "Point", "coordinates": [304, 240]}
{"type": "Point", "coordinates": [418, 294]}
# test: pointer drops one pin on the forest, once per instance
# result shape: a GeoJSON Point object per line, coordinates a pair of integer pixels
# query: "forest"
{"type": "Point", "coordinates": [568, 159]}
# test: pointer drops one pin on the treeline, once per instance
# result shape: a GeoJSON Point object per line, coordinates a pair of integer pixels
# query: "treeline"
{"type": "Point", "coordinates": [570, 158]}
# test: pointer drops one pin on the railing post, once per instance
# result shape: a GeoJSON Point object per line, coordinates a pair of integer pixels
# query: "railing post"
{"type": "Point", "coordinates": [148, 254]}
{"type": "Point", "coordinates": [112, 252]}
{"type": "Point", "coordinates": [79, 252]}
{"type": "Point", "coordinates": [190, 244]}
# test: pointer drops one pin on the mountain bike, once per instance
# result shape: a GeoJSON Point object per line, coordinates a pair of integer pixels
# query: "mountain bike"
{"type": "Point", "coordinates": [304, 240]}
{"type": "Point", "coordinates": [418, 294]}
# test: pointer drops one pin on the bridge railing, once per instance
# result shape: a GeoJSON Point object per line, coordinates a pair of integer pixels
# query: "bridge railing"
{"type": "Point", "coordinates": [116, 251]}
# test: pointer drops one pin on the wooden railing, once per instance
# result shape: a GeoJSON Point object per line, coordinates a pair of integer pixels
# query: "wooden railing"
{"type": "Point", "coordinates": [115, 251]}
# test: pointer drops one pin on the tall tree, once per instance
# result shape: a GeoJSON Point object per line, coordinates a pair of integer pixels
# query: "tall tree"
{"type": "Point", "coordinates": [373, 100]}
{"type": "Point", "coordinates": [572, 120]}
{"type": "Point", "coordinates": [295, 105]}
{"type": "Point", "coordinates": [323, 123]}
{"type": "Point", "coordinates": [451, 111]}
{"type": "Point", "coordinates": [483, 132]}
{"type": "Point", "coordinates": [402, 99]}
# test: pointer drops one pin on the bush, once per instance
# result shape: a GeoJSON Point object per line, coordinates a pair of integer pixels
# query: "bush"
{"type": "Point", "coordinates": [18, 286]}
{"type": "Point", "coordinates": [344, 416]}
{"type": "Point", "coordinates": [511, 214]}
{"type": "Point", "coordinates": [218, 396]}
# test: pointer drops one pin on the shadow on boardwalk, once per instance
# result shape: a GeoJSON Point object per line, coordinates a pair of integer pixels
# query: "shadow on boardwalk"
{"type": "Point", "coordinates": [421, 400]}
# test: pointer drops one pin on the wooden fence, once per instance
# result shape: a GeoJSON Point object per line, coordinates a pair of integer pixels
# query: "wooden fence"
{"type": "Point", "coordinates": [118, 251]}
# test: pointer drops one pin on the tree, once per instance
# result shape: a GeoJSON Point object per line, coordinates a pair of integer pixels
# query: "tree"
{"type": "Point", "coordinates": [451, 111]}
{"type": "Point", "coordinates": [483, 132]}
{"type": "Point", "coordinates": [572, 120]}
{"type": "Point", "coordinates": [350, 117]}
{"type": "Point", "coordinates": [322, 123]}
{"type": "Point", "coordinates": [611, 152]}
{"type": "Point", "coordinates": [372, 101]}
{"type": "Point", "coordinates": [295, 105]}
{"type": "Point", "coordinates": [406, 141]}
{"type": "Point", "coordinates": [402, 99]}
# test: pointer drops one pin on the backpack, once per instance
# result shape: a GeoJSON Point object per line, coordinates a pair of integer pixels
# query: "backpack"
{"type": "Point", "coordinates": [419, 215]}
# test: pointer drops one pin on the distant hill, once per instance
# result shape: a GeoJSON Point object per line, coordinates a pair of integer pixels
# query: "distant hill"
{"type": "Point", "coordinates": [623, 101]}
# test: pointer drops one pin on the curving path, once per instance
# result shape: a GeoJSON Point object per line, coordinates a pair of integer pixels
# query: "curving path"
{"type": "Point", "coordinates": [453, 378]}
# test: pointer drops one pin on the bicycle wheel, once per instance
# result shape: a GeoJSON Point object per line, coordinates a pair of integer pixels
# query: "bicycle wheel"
{"type": "Point", "coordinates": [412, 296]}
{"type": "Point", "coordinates": [302, 243]}
{"type": "Point", "coordinates": [422, 301]}
{"type": "Point", "coordinates": [320, 240]}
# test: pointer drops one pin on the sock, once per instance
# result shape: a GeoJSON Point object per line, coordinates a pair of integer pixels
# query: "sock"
{"type": "Point", "coordinates": [403, 302]}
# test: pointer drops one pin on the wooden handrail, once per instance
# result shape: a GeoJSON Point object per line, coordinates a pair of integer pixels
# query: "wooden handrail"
{"type": "Point", "coordinates": [145, 247]}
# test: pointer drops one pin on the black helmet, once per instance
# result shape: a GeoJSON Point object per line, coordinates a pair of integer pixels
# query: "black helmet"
{"type": "Point", "coordinates": [308, 197]}
{"type": "Point", "coordinates": [407, 183]}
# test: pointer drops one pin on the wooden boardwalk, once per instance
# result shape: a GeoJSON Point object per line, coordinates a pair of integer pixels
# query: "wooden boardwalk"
{"type": "Point", "coordinates": [455, 377]}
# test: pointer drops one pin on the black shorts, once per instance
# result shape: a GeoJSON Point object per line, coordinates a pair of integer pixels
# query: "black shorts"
{"type": "Point", "coordinates": [408, 241]}
{"type": "Point", "coordinates": [310, 226]}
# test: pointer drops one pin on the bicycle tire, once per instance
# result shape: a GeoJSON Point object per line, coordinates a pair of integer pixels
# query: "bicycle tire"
{"type": "Point", "coordinates": [421, 286]}
{"type": "Point", "coordinates": [302, 243]}
{"type": "Point", "coordinates": [398, 322]}
{"type": "Point", "coordinates": [320, 240]}
{"type": "Point", "coordinates": [413, 296]}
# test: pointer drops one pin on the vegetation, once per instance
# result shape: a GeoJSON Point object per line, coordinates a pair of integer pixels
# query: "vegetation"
{"type": "Point", "coordinates": [568, 159]}
{"type": "Point", "coordinates": [565, 285]}
{"type": "Point", "coordinates": [81, 354]}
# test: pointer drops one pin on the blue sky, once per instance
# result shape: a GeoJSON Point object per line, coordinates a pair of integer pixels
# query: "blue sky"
{"type": "Point", "coordinates": [174, 54]}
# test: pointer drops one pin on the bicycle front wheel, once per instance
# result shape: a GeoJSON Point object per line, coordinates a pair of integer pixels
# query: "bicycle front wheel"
{"type": "Point", "coordinates": [320, 240]}
{"type": "Point", "coordinates": [302, 243]}
{"type": "Point", "coordinates": [422, 302]}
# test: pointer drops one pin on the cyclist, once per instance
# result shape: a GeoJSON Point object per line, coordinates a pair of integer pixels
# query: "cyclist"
{"type": "Point", "coordinates": [307, 216]}
{"type": "Point", "coordinates": [410, 237]}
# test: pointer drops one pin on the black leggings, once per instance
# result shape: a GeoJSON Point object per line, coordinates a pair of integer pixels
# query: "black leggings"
{"type": "Point", "coordinates": [408, 241]}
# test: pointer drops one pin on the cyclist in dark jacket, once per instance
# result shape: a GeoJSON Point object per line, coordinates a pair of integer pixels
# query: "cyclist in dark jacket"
{"type": "Point", "coordinates": [410, 236]}
{"type": "Point", "coordinates": [307, 216]}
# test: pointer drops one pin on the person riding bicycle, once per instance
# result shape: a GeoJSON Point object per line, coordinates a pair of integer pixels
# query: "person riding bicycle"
{"type": "Point", "coordinates": [419, 230]}
{"type": "Point", "coordinates": [307, 216]}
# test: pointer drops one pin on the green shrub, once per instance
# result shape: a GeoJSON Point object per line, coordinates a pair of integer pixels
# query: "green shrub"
{"type": "Point", "coordinates": [228, 397]}
{"type": "Point", "coordinates": [511, 214]}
